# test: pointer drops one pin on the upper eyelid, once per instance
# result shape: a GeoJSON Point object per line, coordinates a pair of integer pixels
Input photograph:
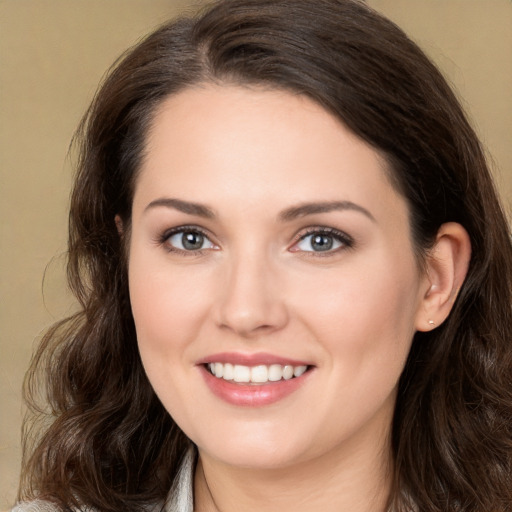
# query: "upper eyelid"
{"type": "Point", "coordinates": [179, 229]}
{"type": "Point", "coordinates": [322, 229]}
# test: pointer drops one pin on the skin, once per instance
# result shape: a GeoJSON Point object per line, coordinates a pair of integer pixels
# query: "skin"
{"type": "Point", "coordinates": [257, 285]}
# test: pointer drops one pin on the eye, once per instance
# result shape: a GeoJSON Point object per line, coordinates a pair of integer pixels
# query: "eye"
{"type": "Point", "coordinates": [186, 239]}
{"type": "Point", "coordinates": [322, 240]}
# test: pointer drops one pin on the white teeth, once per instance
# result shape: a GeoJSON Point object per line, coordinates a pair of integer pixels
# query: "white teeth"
{"type": "Point", "coordinates": [259, 373]}
{"type": "Point", "coordinates": [287, 372]}
{"type": "Point", "coordinates": [240, 373]}
{"type": "Point", "coordinates": [275, 372]}
{"type": "Point", "coordinates": [299, 370]}
{"type": "Point", "coordinates": [256, 374]}
{"type": "Point", "coordinates": [228, 372]}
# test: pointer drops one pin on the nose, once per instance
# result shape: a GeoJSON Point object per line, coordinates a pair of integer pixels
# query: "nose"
{"type": "Point", "coordinates": [251, 301]}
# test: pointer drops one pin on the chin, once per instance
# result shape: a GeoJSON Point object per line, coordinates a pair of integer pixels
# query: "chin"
{"type": "Point", "coordinates": [257, 450]}
{"type": "Point", "coordinates": [254, 458]}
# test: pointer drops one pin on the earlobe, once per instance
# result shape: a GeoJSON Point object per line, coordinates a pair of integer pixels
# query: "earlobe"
{"type": "Point", "coordinates": [119, 225]}
{"type": "Point", "coordinates": [447, 265]}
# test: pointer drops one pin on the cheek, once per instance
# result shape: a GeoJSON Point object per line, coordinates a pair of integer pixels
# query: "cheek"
{"type": "Point", "coordinates": [167, 305]}
{"type": "Point", "coordinates": [167, 309]}
{"type": "Point", "coordinates": [366, 315]}
{"type": "Point", "coordinates": [364, 321]}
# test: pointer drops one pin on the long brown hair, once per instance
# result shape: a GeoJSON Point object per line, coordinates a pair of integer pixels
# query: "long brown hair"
{"type": "Point", "coordinates": [106, 441]}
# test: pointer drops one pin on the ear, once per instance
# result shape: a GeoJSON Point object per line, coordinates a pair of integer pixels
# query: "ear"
{"type": "Point", "coordinates": [446, 267]}
{"type": "Point", "coordinates": [119, 225]}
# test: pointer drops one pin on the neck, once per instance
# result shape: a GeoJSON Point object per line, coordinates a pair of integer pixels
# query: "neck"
{"type": "Point", "coordinates": [355, 479]}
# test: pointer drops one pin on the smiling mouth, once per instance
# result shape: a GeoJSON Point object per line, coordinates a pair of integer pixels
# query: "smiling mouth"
{"type": "Point", "coordinates": [259, 374]}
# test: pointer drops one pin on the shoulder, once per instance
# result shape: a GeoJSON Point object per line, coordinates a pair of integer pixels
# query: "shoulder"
{"type": "Point", "coordinates": [43, 506]}
{"type": "Point", "coordinates": [36, 506]}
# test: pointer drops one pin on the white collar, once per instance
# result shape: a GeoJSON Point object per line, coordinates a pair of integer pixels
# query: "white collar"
{"type": "Point", "coordinates": [181, 495]}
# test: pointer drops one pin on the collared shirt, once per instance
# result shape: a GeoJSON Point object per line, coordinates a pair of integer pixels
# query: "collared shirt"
{"type": "Point", "coordinates": [179, 499]}
{"type": "Point", "coordinates": [181, 495]}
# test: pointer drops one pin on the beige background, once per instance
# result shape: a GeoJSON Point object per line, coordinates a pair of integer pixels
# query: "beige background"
{"type": "Point", "coordinates": [52, 55]}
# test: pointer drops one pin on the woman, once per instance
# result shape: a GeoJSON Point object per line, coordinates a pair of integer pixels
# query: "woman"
{"type": "Point", "coordinates": [295, 277]}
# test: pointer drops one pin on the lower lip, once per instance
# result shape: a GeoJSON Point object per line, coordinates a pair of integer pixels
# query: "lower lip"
{"type": "Point", "coordinates": [252, 395]}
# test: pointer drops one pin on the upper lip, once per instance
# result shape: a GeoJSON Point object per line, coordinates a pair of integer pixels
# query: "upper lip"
{"type": "Point", "coordinates": [260, 358]}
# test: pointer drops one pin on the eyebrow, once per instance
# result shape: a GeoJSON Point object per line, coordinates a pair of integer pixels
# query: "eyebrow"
{"type": "Point", "coordinates": [182, 206]}
{"type": "Point", "coordinates": [287, 215]}
{"type": "Point", "coordinates": [302, 210]}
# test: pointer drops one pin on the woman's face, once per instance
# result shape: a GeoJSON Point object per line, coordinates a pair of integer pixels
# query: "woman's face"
{"type": "Point", "coordinates": [266, 242]}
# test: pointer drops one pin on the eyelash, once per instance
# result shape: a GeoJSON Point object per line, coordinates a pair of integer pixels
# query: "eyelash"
{"type": "Point", "coordinates": [345, 241]}
{"type": "Point", "coordinates": [164, 239]}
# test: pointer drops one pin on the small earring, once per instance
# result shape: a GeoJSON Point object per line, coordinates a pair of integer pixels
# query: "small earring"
{"type": "Point", "coordinates": [431, 323]}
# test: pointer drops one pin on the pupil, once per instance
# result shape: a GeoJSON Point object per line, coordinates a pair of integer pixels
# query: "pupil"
{"type": "Point", "coordinates": [192, 241]}
{"type": "Point", "coordinates": [321, 242]}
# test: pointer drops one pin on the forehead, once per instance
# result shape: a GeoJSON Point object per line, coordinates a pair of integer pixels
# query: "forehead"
{"type": "Point", "coordinates": [233, 143]}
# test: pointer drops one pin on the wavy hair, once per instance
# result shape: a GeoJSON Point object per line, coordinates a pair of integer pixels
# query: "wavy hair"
{"type": "Point", "coordinates": [103, 439]}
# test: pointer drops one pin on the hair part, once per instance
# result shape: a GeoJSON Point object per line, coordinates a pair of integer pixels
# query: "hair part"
{"type": "Point", "coordinates": [110, 443]}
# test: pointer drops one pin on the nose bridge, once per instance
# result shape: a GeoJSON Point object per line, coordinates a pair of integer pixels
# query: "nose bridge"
{"type": "Point", "coordinates": [251, 299]}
